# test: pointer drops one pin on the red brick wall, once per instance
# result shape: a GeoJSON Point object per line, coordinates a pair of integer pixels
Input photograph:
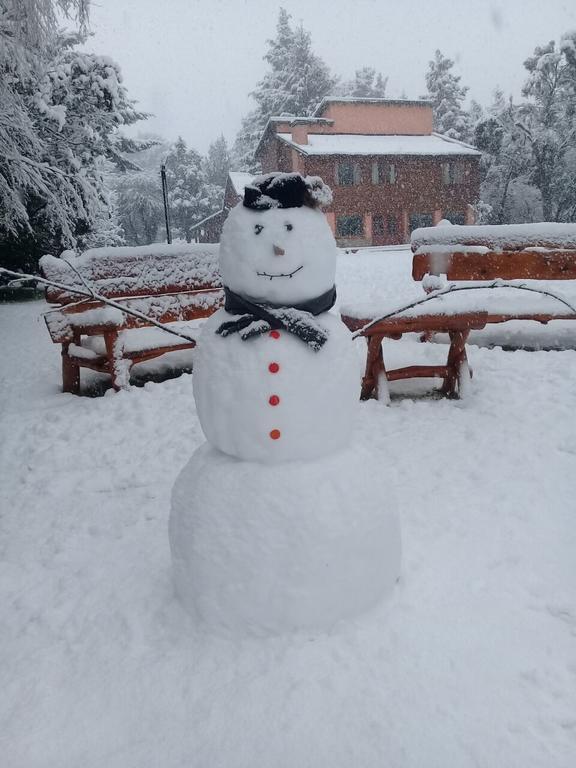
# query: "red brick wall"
{"type": "Point", "coordinates": [275, 155]}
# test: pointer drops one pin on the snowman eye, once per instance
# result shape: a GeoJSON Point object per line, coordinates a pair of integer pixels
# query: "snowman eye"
{"type": "Point", "coordinates": [289, 227]}
{"type": "Point", "coordinates": [258, 228]}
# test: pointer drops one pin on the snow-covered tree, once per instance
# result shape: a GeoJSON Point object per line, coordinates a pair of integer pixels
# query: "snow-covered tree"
{"type": "Point", "coordinates": [447, 96]}
{"type": "Point", "coordinates": [106, 229]}
{"type": "Point", "coordinates": [218, 163]}
{"type": "Point", "coordinates": [366, 84]}
{"type": "Point", "coordinates": [140, 207]}
{"type": "Point", "coordinates": [548, 120]}
{"type": "Point", "coordinates": [60, 112]}
{"type": "Point", "coordinates": [296, 82]}
{"type": "Point", "coordinates": [191, 196]}
{"type": "Point", "coordinates": [505, 165]}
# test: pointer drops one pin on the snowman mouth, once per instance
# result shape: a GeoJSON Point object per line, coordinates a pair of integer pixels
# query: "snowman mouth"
{"type": "Point", "coordinates": [280, 274]}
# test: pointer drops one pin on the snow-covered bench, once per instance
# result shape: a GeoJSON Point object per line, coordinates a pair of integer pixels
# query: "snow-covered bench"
{"type": "Point", "coordinates": [512, 253]}
{"type": "Point", "coordinates": [170, 284]}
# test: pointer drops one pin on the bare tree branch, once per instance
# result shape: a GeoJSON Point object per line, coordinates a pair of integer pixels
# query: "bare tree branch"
{"type": "Point", "coordinates": [90, 293]}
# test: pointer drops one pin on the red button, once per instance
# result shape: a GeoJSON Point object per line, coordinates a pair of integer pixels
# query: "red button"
{"type": "Point", "coordinates": [275, 434]}
{"type": "Point", "coordinates": [275, 334]}
{"type": "Point", "coordinates": [274, 400]}
{"type": "Point", "coordinates": [273, 367]}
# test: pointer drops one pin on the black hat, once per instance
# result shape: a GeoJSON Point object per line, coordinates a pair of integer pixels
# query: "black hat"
{"type": "Point", "coordinates": [285, 190]}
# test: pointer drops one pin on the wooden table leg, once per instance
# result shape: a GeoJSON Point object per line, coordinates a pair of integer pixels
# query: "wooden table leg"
{"type": "Point", "coordinates": [456, 360]}
{"type": "Point", "coordinates": [70, 369]}
{"type": "Point", "coordinates": [118, 366]}
{"type": "Point", "coordinates": [70, 373]}
{"type": "Point", "coordinates": [374, 366]}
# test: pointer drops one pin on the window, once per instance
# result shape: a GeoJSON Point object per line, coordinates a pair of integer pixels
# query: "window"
{"type": "Point", "coordinates": [349, 226]}
{"type": "Point", "coordinates": [348, 173]}
{"type": "Point", "coordinates": [383, 173]}
{"type": "Point", "coordinates": [420, 220]}
{"type": "Point", "coordinates": [392, 225]}
{"type": "Point", "coordinates": [453, 173]}
{"type": "Point", "coordinates": [378, 225]}
{"type": "Point", "coordinates": [455, 218]}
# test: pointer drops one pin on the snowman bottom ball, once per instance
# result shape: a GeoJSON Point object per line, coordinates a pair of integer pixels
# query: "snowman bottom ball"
{"type": "Point", "coordinates": [272, 549]}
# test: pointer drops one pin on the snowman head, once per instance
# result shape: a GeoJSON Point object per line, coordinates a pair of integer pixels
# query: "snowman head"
{"type": "Point", "coordinates": [276, 246]}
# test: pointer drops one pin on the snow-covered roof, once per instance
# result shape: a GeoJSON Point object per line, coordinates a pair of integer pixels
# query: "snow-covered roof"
{"type": "Point", "coordinates": [360, 144]}
{"type": "Point", "coordinates": [239, 180]}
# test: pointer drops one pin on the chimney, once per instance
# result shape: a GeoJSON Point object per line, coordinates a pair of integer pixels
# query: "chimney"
{"type": "Point", "coordinates": [299, 133]}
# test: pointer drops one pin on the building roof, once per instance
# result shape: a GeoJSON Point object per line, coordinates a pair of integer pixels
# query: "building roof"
{"type": "Point", "coordinates": [291, 120]}
{"type": "Point", "coordinates": [361, 100]}
{"type": "Point", "coordinates": [435, 145]}
{"type": "Point", "coordinates": [239, 180]}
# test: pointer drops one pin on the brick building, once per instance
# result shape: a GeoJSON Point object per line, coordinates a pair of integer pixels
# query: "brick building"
{"type": "Point", "coordinates": [389, 172]}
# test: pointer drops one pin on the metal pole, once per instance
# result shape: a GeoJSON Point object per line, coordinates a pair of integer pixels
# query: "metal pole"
{"type": "Point", "coordinates": [165, 196]}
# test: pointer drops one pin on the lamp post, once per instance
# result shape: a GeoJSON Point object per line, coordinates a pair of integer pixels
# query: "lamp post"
{"type": "Point", "coordinates": [165, 197]}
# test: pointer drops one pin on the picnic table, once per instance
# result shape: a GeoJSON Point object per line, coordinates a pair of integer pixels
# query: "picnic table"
{"type": "Point", "coordinates": [493, 264]}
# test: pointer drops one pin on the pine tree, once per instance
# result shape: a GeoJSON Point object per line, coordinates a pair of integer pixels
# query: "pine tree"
{"type": "Point", "coordinates": [447, 96]}
{"type": "Point", "coordinates": [296, 82]}
{"type": "Point", "coordinates": [218, 163]}
{"type": "Point", "coordinates": [106, 230]}
{"type": "Point", "coordinates": [140, 207]}
{"type": "Point", "coordinates": [191, 196]}
{"type": "Point", "coordinates": [505, 165]}
{"type": "Point", "coordinates": [366, 84]}
{"type": "Point", "coordinates": [548, 120]}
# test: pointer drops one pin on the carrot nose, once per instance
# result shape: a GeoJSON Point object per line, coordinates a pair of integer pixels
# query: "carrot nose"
{"type": "Point", "coordinates": [278, 251]}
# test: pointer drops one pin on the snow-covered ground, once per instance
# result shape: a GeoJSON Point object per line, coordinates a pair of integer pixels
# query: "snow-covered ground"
{"type": "Point", "coordinates": [473, 663]}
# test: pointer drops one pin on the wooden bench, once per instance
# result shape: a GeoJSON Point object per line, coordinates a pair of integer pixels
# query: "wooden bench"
{"type": "Point", "coordinates": [171, 284]}
{"type": "Point", "coordinates": [544, 252]}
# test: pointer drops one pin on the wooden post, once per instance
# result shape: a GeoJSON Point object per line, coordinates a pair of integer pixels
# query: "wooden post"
{"type": "Point", "coordinates": [456, 359]}
{"type": "Point", "coordinates": [110, 340]}
{"type": "Point", "coordinates": [70, 373]}
{"type": "Point", "coordinates": [374, 365]}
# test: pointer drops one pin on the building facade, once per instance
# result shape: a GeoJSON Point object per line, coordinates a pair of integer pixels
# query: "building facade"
{"type": "Point", "coordinates": [389, 172]}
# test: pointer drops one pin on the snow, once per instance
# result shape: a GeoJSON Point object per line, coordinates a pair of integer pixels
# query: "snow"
{"type": "Point", "coordinates": [233, 384]}
{"type": "Point", "coordinates": [250, 266]}
{"type": "Point", "coordinates": [477, 297]}
{"type": "Point", "coordinates": [240, 180]}
{"type": "Point", "coordinates": [353, 144]}
{"type": "Point", "coordinates": [261, 531]}
{"type": "Point", "coordinates": [284, 547]}
{"type": "Point", "coordinates": [138, 339]}
{"type": "Point", "coordinates": [136, 269]}
{"type": "Point", "coordinates": [470, 665]}
{"type": "Point", "coordinates": [542, 235]}
{"type": "Point", "coordinates": [61, 323]}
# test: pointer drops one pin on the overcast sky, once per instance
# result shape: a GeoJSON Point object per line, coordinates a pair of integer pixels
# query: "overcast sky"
{"type": "Point", "coordinates": [194, 62]}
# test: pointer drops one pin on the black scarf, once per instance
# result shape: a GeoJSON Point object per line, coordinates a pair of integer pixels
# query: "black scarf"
{"type": "Point", "coordinates": [298, 319]}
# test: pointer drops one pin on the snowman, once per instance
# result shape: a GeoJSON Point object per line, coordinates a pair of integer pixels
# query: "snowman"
{"type": "Point", "coordinates": [281, 521]}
